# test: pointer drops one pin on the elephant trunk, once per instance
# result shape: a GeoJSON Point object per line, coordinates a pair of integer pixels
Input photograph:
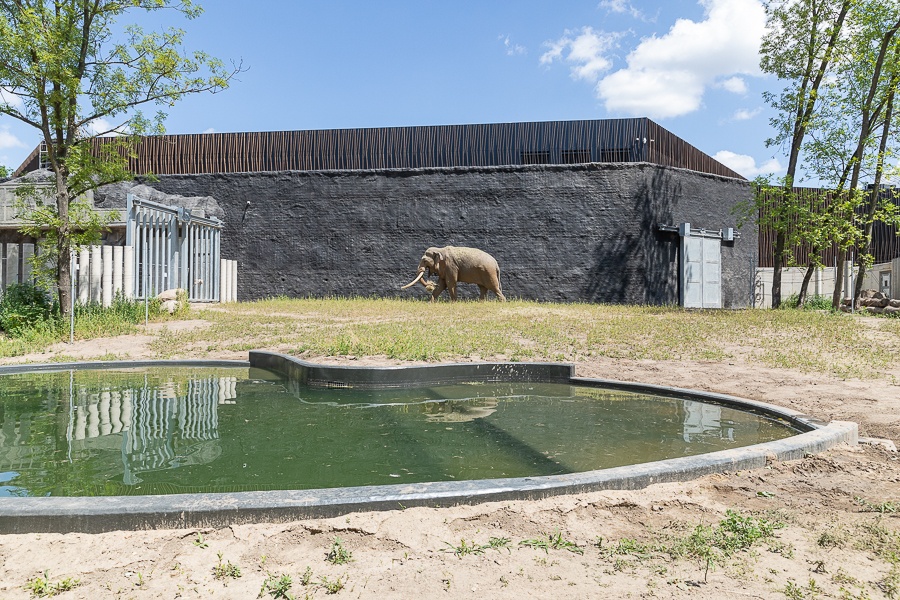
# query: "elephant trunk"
{"type": "Point", "coordinates": [414, 281]}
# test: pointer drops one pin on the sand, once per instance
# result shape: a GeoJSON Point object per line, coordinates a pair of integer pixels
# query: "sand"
{"type": "Point", "coordinates": [839, 517]}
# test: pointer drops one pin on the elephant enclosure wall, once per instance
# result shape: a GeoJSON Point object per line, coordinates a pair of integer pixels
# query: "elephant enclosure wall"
{"type": "Point", "coordinates": [560, 232]}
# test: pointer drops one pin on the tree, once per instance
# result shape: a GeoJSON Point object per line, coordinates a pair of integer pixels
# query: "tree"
{"type": "Point", "coordinates": [802, 40]}
{"type": "Point", "coordinates": [851, 132]}
{"type": "Point", "coordinates": [77, 78]}
{"type": "Point", "coordinates": [4, 172]}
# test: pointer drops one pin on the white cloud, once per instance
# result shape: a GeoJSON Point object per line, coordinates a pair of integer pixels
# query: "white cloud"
{"type": "Point", "coordinates": [103, 128]}
{"type": "Point", "coordinates": [735, 85]}
{"type": "Point", "coordinates": [210, 130]}
{"type": "Point", "coordinates": [667, 76]}
{"type": "Point", "coordinates": [585, 49]}
{"type": "Point", "coordinates": [8, 140]}
{"type": "Point", "coordinates": [744, 114]}
{"type": "Point", "coordinates": [511, 48]}
{"type": "Point", "coordinates": [746, 165]}
{"type": "Point", "coordinates": [621, 7]}
{"type": "Point", "coordinates": [13, 100]}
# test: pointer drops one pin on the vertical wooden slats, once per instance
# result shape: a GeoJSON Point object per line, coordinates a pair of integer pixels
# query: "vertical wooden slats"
{"type": "Point", "coordinates": [418, 146]}
{"type": "Point", "coordinates": [885, 239]}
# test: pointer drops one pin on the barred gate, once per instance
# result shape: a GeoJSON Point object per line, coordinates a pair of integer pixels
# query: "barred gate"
{"type": "Point", "coordinates": [173, 249]}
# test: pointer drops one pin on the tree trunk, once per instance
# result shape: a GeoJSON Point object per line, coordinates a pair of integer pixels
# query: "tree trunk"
{"type": "Point", "coordinates": [63, 246]}
{"type": "Point", "coordinates": [838, 280]}
{"type": "Point", "coordinates": [865, 248]}
{"type": "Point", "coordinates": [780, 240]}
{"type": "Point", "coordinates": [804, 287]}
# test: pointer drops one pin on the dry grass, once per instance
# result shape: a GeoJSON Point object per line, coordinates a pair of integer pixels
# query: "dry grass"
{"type": "Point", "coordinates": [403, 330]}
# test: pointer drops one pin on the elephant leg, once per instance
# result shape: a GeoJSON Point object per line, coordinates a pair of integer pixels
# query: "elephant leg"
{"type": "Point", "coordinates": [484, 292]}
{"type": "Point", "coordinates": [438, 290]}
{"type": "Point", "coordinates": [451, 288]}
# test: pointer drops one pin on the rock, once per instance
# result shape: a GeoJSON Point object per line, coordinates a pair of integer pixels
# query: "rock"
{"type": "Point", "coordinates": [875, 310]}
{"type": "Point", "coordinates": [171, 294]}
{"type": "Point", "coordinates": [169, 306]}
{"type": "Point", "coordinates": [888, 445]}
{"type": "Point", "coordinates": [894, 303]}
{"type": "Point", "coordinates": [891, 310]}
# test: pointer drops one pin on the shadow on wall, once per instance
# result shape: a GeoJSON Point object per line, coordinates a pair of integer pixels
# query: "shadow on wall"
{"type": "Point", "coordinates": [637, 263]}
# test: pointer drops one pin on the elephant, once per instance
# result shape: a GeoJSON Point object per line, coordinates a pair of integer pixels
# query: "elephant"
{"type": "Point", "coordinates": [457, 264]}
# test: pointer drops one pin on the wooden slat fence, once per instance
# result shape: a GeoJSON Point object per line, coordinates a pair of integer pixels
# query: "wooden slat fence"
{"type": "Point", "coordinates": [608, 140]}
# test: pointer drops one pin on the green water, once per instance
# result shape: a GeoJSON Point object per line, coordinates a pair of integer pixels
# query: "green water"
{"type": "Point", "coordinates": [187, 429]}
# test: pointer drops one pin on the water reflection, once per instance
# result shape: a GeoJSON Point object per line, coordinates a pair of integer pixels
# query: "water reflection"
{"type": "Point", "coordinates": [702, 420]}
{"type": "Point", "coordinates": [190, 430]}
{"type": "Point", "coordinates": [156, 425]}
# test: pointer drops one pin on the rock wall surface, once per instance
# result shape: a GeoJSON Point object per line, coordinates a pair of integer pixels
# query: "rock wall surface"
{"type": "Point", "coordinates": [560, 232]}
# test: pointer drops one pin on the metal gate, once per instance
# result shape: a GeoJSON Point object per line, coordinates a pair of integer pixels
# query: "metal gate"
{"type": "Point", "coordinates": [173, 249]}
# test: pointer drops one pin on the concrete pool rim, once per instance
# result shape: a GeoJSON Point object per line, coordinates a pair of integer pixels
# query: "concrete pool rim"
{"type": "Point", "coordinates": [176, 511]}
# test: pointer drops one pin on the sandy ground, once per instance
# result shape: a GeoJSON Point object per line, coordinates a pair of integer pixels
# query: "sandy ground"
{"type": "Point", "coordinates": [840, 513]}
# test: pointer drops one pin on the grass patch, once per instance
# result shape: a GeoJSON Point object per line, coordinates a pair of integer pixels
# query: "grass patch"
{"type": "Point", "coordinates": [406, 330]}
{"type": "Point", "coordinates": [712, 546]}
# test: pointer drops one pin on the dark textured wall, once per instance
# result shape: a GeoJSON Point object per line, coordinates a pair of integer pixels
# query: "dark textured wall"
{"type": "Point", "coordinates": [560, 233]}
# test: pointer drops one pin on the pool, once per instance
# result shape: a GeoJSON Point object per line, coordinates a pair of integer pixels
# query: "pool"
{"type": "Point", "coordinates": [101, 446]}
{"type": "Point", "coordinates": [169, 430]}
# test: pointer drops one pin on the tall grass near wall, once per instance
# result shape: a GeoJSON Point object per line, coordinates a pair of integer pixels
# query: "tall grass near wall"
{"type": "Point", "coordinates": [30, 323]}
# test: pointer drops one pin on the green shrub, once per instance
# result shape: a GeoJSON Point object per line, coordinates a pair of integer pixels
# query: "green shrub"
{"type": "Point", "coordinates": [812, 302]}
{"type": "Point", "coordinates": [22, 307]}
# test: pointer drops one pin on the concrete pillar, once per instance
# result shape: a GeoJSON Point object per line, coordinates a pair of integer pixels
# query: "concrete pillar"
{"type": "Point", "coordinates": [84, 273]}
{"type": "Point", "coordinates": [234, 281]}
{"type": "Point", "coordinates": [96, 274]}
{"type": "Point", "coordinates": [12, 264]}
{"type": "Point", "coordinates": [27, 253]}
{"type": "Point", "coordinates": [107, 283]}
{"type": "Point", "coordinates": [848, 279]}
{"type": "Point", "coordinates": [224, 280]}
{"type": "Point", "coordinates": [117, 270]}
{"type": "Point", "coordinates": [128, 271]}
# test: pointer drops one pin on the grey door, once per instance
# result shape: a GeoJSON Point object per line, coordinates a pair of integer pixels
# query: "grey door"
{"type": "Point", "coordinates": [701, 272]}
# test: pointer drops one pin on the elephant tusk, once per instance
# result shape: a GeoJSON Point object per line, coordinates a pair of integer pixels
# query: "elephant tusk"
{"type": "Point", "coordinates": [414, 281]}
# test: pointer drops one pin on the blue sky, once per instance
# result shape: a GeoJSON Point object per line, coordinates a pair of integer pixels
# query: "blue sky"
{"type": "Point", "coordinates": [690, 65]}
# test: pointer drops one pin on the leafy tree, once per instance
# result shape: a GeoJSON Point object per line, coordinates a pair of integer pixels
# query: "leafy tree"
{"type": "Point", "coordinates": [4, 172]}
{"type": "Point", "coordinates": [79, 76]}
{"type": "Point", "coordinates": [803, 38]}
{"type": "Point", "coordinates": [850, 134]}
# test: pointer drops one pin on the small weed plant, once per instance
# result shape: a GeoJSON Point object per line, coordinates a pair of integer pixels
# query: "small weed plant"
{"type": "Point", "coordinates": [496, 543]}
{"type": "Point", "coordinates": [552, 542]}
{"type": "Point", "coordinates": [42, 587]}
{"type": "Point", "coordinates": [332, 587]}
{"type": "Point", "coordinates": [465, 548]}
{"type": "Point", "coordinates": [338, 555]}
{"type": "Point", "coordinates": [887, 507]}
{"type": "Point", "coordinates": [277, 586]}
{"type": "Point", "coordinates": [226, 570]}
